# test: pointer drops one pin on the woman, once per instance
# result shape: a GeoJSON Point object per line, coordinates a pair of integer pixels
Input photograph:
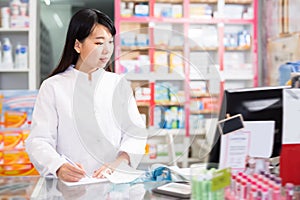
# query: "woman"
{"type": "Point", "coordinates": [83, 113]}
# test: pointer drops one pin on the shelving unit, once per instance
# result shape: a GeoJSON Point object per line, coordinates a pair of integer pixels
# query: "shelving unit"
{"type": "Point", "coordinates": [201, 41]}
{"type": "Point", "coordinates": [28, 78]}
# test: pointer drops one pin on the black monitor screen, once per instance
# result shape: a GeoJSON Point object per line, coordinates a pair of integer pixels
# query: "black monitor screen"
{"type": "Point", "coordinates": [255, 104]}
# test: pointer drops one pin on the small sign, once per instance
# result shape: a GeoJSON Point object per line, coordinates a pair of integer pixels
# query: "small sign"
{"type": "Point", "coordinates": [221, 179]}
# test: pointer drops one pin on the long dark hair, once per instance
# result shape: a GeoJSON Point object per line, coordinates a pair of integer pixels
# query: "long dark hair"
{"type": "Point", "coordinates": [81, 25]}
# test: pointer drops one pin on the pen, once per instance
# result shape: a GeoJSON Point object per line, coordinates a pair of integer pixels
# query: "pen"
{"type": "Point", "coordinates": [73, 163]}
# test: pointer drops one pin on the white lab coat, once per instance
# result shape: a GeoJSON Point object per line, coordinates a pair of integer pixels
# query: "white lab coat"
{"type": "Point", "coordinates": [55, 130]}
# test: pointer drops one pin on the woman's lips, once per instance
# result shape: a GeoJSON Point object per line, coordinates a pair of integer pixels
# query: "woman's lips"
{"type": "Point", "coordinates": [103, 59]}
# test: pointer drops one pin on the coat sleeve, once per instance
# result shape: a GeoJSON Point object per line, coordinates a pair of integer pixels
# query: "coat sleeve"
{"type": "Point", "coordinates": [42, 140]}
{"type": "Point", "coordinates": [134, 133]}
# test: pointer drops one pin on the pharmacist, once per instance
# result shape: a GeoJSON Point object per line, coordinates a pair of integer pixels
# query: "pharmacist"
{"type": "Point", "coordinates": [85, 119]}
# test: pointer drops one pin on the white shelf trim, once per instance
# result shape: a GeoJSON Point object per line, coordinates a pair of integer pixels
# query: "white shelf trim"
{"type": "Point", "coordinates": [14, 70]}
{"type": "Point", "coordinates": [14, 29]}
{"type": "Point", "coordinates": [154, 76]}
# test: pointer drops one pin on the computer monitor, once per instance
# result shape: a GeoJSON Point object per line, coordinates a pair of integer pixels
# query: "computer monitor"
{"type": "Point", "coordinates": [255, 104]}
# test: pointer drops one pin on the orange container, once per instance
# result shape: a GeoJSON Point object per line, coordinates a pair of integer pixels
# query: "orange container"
{"type": "Point", "coordinates": [13, 139]}
{"type": "Point", "coordinates": [17, 170]}
{"type": "Point", "coordinates": [13, 119]}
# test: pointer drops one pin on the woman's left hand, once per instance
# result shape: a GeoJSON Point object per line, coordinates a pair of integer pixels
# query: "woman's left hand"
{"type": "Point", "coordinates": [110, 167]}
{"type": "Point", "coordinates": [107, 167]}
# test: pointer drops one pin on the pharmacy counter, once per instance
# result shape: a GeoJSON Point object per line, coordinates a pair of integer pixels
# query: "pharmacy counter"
{"type": "Point", "coordinates": [39, 188]}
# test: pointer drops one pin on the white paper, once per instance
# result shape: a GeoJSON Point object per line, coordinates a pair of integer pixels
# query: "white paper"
{"type": "Point", "coordinates": [123, 174]}
{"type": "Point", "coordinates": [181, 171]}
{"type": "Point", "coordinates": [86, 180]}
{"type": "Point", "coordinates": [261, 138]}
{"type": "Point", "coordinates": [291, 113]}
{"type": "Point", "coordinates": [234, 150]}
{"type": "Point", "coordinates": [184, 172]}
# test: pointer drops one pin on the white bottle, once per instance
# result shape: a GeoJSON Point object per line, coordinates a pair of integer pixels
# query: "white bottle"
{"type": "Point", "coordinates": [7, 58]}
{"type": "Point", "coordinates": [0, 53]}
{"type": "Point", "coordinates": [15, 7]}
{"type": "Point", "coordinates": [17, 56]}
{"type": "Point", "coordinates": [24, 56]}
{"type": "Point", "coordinates": [21, 56]}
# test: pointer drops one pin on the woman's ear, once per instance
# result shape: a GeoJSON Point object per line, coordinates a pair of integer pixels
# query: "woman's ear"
{"type": "Point", "coordinates": [77, 46]}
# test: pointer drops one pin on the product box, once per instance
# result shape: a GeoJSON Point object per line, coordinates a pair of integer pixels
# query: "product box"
{"type": "Point", "coordinates": [176, 63]}
{"type": "Point", "coordinates": [161, 62]}
{"type": "Point", "coordinates": [141, 10]}
{"type": "Point", "coordinates": [280, 51]}
{"type": "Point", "coordinates": [26, 169]}
{"type": "Point", "coordinates": [19, 21]}
{"type": "Point", "coordinates": [177, 11]}
{"type": "Point", "coordinates": [13, 139]}
{"type": "Point", "coordinates": [142, 94]}
{"type": "Point", "coordinates": [15, 157]}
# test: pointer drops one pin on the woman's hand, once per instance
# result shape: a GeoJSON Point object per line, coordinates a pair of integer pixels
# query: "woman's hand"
{"type": "Point", "coordinates": [70, 173]}
{"type": "Point", "coordinates": [110, 167]}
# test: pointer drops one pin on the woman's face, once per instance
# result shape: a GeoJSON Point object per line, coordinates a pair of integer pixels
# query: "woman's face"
{"type": "Point", "coordinates": [96, 50]}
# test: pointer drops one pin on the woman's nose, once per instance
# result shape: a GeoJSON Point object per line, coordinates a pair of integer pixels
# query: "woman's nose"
{"type": "Point", "coordinates": [105, 48]}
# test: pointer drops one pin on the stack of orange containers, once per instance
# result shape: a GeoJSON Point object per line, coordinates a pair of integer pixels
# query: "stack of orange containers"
{"type": "Point", "coordinates": [15, 119]}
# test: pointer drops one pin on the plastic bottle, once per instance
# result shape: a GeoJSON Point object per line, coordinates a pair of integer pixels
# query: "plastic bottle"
{"type": "Point", "coordinates": [23, 56]}
{"type": "Point", "coordinates": [17, 56]}
{"type": "Point", "coordinates": [276, 193]}
{"type": "Point", "coordinates": [0, 53]}
{"type": "Point", "coordinates": [180, 118]}
{"type": "Point", "coordinates": [7, 58]}
{"type": "Point", "coordinates": [15, 7]}
{"type": "Point", "coordinates": [289, 191]}
{"type": "Point", "coordinates": [158, 117]}
{"type": "Point", "coordinates": [253, 193]}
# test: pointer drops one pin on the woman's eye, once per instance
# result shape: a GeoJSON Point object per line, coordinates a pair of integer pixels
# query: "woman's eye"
{"type": "Point", "coordinates": [99, 43]}
{"type": "Point", "coordinates": [110, 42]}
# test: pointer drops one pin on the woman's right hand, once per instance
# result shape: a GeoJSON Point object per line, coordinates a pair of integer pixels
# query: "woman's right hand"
{"type": "Point", "coordinates": [70, 173]}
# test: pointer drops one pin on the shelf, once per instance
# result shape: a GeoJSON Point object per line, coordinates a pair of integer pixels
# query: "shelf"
{"type": "Point", "coordinates": [168, 48]}
{"type": "Point", "coordinates": [154, 77]}
{"type": "Point", "coordinates": [169, 20]}
{"type": "Point", "coordinates": [135, 1]}
{"type": "Point", "coordinates": [204, 21]}
{"type": "Point", "coordinates": [242, 48]}
{"type": "Point", "coordinates": [146, 48]}
{"type": "Point", "coordinates": [26, 78]}
{"type": "Point", "coordinates": [204, 49]}
{"type": "Point", "coordinates": [13, 70]}
{"type": "Point", "coordinates": [203, 112]}
{"type": "Point", "coordinates": [204, 1]}
{"type": "Point", "coordinates": [169, 103]}
{"type": "Point", "coordinates": [238, 76]}
{"type": "Point", "coordinates": [143, 104]}
{"type": "Point", "coordinates": [194, 78]}
{"type": "Point", "coordinates": [168, 77]}
{"type": "Point", "coordinates": [148, 19]}
{"type": "Point", "coordinates": [153, 132]}
{"type": "Point", "coordinates": [238, 1]}
{"type": "Point", "coordinates": [238, 21]}
{"type": "Point", "coordinates": [200, 95]}
{"type": "Point", "coordinates": [135, 48]}
{"type": "Point", "coordinates": [169, 1]}
{"type": "Point", "coordinates": [243, 74]}
{"type": "Point", "coordinates": [134, 19]}
{"type": "Point", "coordinates": [14, 29]}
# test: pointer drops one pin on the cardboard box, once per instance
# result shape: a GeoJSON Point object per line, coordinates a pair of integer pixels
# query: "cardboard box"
{"type": "Point", "coordinates": [280, 51]}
